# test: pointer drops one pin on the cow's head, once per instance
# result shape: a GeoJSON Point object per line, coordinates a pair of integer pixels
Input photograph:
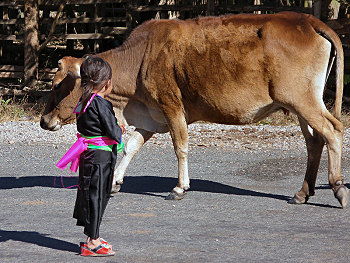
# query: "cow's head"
{"type": "Point", "coordinates": [64, 96]}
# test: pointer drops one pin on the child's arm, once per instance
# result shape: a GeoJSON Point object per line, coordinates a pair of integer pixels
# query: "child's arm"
{"type": "Point", "coordinates": [109, 122]}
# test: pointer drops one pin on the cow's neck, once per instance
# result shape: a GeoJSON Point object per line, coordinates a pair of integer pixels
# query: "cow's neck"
{"type": "Point", "coordinates": [125, 62]}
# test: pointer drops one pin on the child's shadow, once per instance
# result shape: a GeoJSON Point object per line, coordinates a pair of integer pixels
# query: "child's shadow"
{"type": "Point", "coordinates": [38, 239]}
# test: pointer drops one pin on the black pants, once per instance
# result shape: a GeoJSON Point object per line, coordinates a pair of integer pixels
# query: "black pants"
{"type": "Point", "coordinates": [96, 169]}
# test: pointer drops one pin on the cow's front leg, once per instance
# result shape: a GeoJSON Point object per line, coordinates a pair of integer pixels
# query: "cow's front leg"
{"type": "Point", "coordinates": [179, 135]}
{"type": "Point", "coordinates": [133, 145]}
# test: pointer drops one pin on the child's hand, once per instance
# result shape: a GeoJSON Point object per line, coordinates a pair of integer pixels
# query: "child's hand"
{"type": "Point", "coordinates": [122, 126]}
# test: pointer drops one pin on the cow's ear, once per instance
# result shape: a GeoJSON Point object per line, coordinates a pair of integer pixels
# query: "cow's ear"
{"type": "Point", "coordinates": [60, 65]}
{"type": "Point", "coordinates": [74, 71]}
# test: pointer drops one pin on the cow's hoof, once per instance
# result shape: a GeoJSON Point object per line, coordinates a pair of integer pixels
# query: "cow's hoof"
{"type": "Point", "coordinates": [297, 200]}
{"type": "Point", "coordinates": [115, 188]}
{"type": "Point", "coordinates": [342, 194]}
{"type": "Point", "coordinates": [175, 195]}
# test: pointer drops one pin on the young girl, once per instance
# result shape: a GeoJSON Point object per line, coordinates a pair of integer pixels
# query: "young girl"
{"type": "Point", "coordinates": [94, 152]}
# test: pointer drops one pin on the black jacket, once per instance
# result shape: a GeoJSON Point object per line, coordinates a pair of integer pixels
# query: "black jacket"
{"type": "Point", "coordinates": [99, 120]}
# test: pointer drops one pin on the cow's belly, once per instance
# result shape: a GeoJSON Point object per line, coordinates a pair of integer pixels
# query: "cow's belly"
{"type": "Point", "coordinates": [233, 107]}
{"type": "Point", "coordinates": [246, 115]}
{"type": "Point", "coordinates": [147, 117]}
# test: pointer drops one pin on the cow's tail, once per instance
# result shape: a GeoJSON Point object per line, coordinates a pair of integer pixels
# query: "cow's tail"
{"type": "Point", "coordinates": [331, 36]}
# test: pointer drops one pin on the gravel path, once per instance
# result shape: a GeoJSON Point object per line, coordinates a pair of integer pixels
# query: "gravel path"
{"type": "Point", "coordinates": [251, 137]}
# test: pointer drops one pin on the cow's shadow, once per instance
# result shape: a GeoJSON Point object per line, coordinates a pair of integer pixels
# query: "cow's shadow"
{"type": "Point", "coordinates": [143, 185]}
{"type": "Point", "coordinates": [38, 239]}
{"type": "Point", "coordinates": [151, 184]}
{"type": "Point", "coordinates": [148, 185]}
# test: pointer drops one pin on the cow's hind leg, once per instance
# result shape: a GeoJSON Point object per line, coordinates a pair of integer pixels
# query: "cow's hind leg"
{"type": "Point", "coordinates": [331, 130]}
{"type": "Point", "coordinates": [314, 144]}
{"type": "Point", "coordinates": [134, 144]}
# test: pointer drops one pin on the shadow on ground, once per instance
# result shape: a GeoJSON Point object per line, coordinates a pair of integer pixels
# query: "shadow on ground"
{"type": "Point", "coordinates": [146, 185]}
{"type": "Point", "coordinates": [136, 185]}
{"type": "Point", "coordinates": [38, 239]}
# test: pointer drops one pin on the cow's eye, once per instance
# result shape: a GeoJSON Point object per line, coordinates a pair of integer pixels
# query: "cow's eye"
{"type": "Point", "coordinates": [57, 86]}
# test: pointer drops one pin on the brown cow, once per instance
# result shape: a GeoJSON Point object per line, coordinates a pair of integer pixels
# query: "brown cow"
{"type": "Point", "coordinates": [234, 69]}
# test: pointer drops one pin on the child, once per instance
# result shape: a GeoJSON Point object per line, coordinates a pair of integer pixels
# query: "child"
{"type": "Point", "coordinates": [94, 152]}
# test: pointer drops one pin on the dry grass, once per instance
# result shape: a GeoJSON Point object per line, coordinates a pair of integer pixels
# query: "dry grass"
{"type": "Point", "coordinates": [281, 119]}
{"type": "Point", "coordinates": [15, 109]}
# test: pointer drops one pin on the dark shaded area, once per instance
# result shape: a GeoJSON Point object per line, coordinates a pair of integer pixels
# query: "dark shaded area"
{"type": "Point", "coordinates": [136, 185]}
{"type": "Point", "coordinates": [149, 185]}
{"type": "Point", "coordinates": [36, 238]}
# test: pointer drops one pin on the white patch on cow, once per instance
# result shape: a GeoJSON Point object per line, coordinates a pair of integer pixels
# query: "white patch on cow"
{"type": "Point", "coordinates": [320, 76]}
{"type": "Point", "coordinates": [77, 67]}
{"type": "Point", "coordinates": [311, 131]}
{"type": "Point", "coordinates": [59, 63]}
{"type": "Point", "coordinates": [133, 145]}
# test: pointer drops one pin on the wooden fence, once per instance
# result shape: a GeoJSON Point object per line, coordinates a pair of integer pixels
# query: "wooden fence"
{"type": "Point", "coordinates": [82, 26]}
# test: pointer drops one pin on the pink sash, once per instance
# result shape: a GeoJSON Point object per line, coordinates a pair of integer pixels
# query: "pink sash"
{"type": "Point", "coordinates": [74, 152]}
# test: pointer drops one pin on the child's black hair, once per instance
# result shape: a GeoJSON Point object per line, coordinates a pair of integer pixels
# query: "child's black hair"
{"type": "Point", "coordinates": [95, 73]}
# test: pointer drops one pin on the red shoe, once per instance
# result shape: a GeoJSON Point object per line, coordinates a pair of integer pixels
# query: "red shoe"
{"type": "Point", "coordinates": [105, 242]}
{"type": "Point", "coordinates": [102, 241]}
{"type": "Point", "coordinates": [100, 251]}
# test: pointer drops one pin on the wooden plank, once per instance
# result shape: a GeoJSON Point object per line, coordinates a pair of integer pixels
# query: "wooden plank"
{"type": "Point", "coordinates": [113, 30]}
{"type": "Point", "coordinates": [169, 8]}
{"type": "Point", "coordinates": [84, 36]}
{"type": "Point", "coordinates": [84, 20]}
{"type": "Point", "coordinates": [8, 37]}
{"type": "Point", "coordinates": [81, 36]}
{"type": "Point", "coordinates": [11, 68]}
{"type": "Point", "coordinates": [81, 2]}
{"type": "Point", "coordinates": [20, 75]}
{"type": "Point", "coordinates": [17, 92]}
{"type": "Point", "coordinates": [21, 68]}
{"type": "Point", "coordinates": [11, 75]}
{"type": "Point", "coordinates": [11, 21]}
{"type": "Point", "coordinates": [46, 75]}
{"type": "Point", "coordinates": [121, 30]}
{"type": "Point", "coordinates": [49, 70]}
{"type": "Point", "coordinates": [232, 8]}
{"type": "Point", "coordinates": [11, 3]}
{"type": "Point", "coordinates": [250, 9]}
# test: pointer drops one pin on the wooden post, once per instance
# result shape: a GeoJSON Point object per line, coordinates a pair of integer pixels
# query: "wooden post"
{"type": "Point", "coordinates": [325, 9]}
{"type": "Point", "coordinates": [96, 42]}
{"type": "Point", "coordinates": [334, 10]}
{"type": "Point", "coordinates": [129, 17]}
{"type": "Point", "coordinates": [317, 8]}
{"type": "Point", "coordinates": [210, 8]}
{"type": "Point", "coordinates": [31, 42]}
{"type": "Point", "coordinates": [257, 2]}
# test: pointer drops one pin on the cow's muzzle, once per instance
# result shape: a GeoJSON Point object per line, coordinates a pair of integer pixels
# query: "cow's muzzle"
{"type": "Point", "coordinates": [50, 125]}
